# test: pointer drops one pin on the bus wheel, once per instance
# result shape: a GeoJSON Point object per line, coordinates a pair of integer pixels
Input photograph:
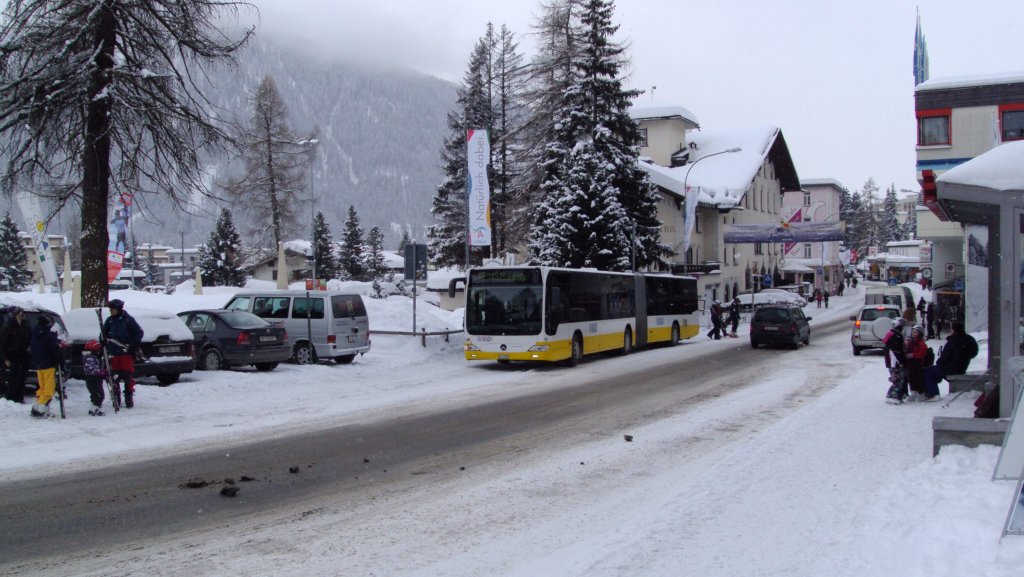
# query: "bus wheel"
{"type": "Point", "coordinates": [577, 350]}
{"type": "Point", "coordinates": [675, 334]}
{"type": "Point", "coordinates": [627, 342]}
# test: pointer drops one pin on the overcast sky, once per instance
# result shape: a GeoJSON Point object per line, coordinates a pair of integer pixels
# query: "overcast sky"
{"type": "Point", "coordinates": [836, 77]}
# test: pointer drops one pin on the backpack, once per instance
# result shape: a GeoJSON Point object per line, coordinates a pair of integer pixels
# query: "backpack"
{"type": "Point", "coordinates": [929, 357]}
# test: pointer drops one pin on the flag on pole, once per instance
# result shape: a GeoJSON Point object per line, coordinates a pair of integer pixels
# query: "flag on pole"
{"type": "Point", "coordinates": [478, 150]}
{"type": "Point", "coordinates": [32, 211]}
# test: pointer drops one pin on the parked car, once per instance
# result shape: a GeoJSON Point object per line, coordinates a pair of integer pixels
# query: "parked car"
{"type": "Point", "coordinates": [780, 325]}
{"type": "Point", "coordinates": [320, 324]}
{"type": "Point", "coordinates": [226, 338]}
{"type": "Point", "coordinates": [32, 314]}
{"type": "Point", "coordinates": [870, 325]}
{"type": "Point", "coordinates": [168, 350]}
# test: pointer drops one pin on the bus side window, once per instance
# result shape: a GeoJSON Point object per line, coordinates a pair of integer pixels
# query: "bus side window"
{"type": "Point", "coordinates": [553, 310]}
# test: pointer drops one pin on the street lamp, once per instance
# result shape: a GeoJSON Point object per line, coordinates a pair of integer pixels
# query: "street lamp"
{"type": "Point", "coordinates": [691, 199]}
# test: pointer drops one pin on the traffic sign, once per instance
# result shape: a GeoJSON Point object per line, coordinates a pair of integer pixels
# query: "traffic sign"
{"type": "Point", "coordinates": [892, 282]}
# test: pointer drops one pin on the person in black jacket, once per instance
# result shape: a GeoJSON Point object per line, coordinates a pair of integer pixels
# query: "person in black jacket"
{"type": "Point", "coordinates": [734, 316]}
{"type": "Point", "coordinates": [14, 341]}
{"type": "Point", "coordinates": [46, 355]}
{"type": "Point", "coordinates": [122, 337]}
{"type": "Point", "coordinates": [954, 358]}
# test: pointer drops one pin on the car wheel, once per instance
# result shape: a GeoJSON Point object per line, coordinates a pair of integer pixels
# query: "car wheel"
{"type": "Point", "coordinates": [627, 342]}
{"type": "Point", "coordinates": [856, 351]}
{"type": "Point", "coordinates": [753, 344]}
{"type": "Point", "coordinates": [344, 359]}
{"type": "Point", "coordinates": [167, 379]}
{"type": "Point", "coordinates": [304, 354]}
{"type": "Point", "coordinates": [264, 367]}
{"type": "Point", "coordinates": [675, 334]}
{"type": "Point", "coordinates": [796, 342]}
{"type": "Point", "coordinates": [576, 357]}
{"type": "Point", "coordinates": [211, 360]}
{"type": "Point", "coordinates": [807, 340]}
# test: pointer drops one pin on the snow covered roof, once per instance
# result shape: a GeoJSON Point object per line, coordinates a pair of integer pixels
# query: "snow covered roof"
{"type": "Point", "coordinates": [970, 80]}
{"type": "Point", "coordinates": [999, 169]}
{"type": "Point", "coordinates": [916, 242]}
{"type": "Point", "coordinates": [438, 280]}
{"type": "Point", "coordinates": [820, 182]}
{"type": "Point", "coordinates": [723, 179]}
{"type": "Point", "coordinates": [654, 112]}
{"type": "Point", "coordinates": [300, 246]}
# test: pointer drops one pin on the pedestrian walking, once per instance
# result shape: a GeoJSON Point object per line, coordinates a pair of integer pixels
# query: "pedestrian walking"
{"type": "Point", "coordinates": [46, 355]}
{"type": "Point", "coordinates": [921, 308]}
{"type": "Point", "coordinates": [123, 337]}
{"type": "Point", "coordinates": [929, 317]}
{"type": "Point", "coordinates": [734, 317]}
{"type": "Point", "coordinates": [716, 321]}
{"type": "Point", "coordinates": [939, 321]}
{"type": "Point", "coordinates": [826, 298]}
{"type": "Point", "coordinates": [818, 297]}
{"type": "Point", "coordinates": [15, 337]}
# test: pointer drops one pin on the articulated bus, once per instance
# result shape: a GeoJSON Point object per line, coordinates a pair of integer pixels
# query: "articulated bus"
{"type": "Point", "coordinates": [534, 313]}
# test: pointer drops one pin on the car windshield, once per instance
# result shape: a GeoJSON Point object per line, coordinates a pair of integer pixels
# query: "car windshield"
{"type": "Point", "coordinates": [873, 314]}
{"type": "Point", "coordinates": [772, 316]}
{"type": "Point", "coordinates": [243, 320]}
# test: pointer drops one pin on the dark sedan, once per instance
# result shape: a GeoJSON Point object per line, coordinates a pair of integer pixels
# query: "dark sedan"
{"type": "Point", "coordinates": [231, 338]}
{"type": "Point", "coordinates": [780, 325]}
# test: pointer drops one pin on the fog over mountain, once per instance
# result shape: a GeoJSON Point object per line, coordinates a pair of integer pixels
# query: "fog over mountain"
{"type": "Point", "coordinates": [380, 133]}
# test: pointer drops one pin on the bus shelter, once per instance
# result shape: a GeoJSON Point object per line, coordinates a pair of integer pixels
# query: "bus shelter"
{"type": "Point", "coordinates": [989, 190]}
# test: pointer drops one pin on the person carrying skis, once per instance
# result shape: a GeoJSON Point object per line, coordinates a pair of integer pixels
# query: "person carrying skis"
{"type": "Point", "coordinates": [122, 337]}
{"type": "Point", "coordinates": [46, 355]}
{"type": "Point", "coordinates": [734, 316]}
{"type": "Point", "coordinates": [15, 336]}
{"type": "Point", "coordinates": [94, 373]}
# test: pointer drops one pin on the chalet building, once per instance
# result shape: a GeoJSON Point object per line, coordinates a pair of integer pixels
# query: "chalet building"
{"type": "Point", "coordinates": [739, 177]}
{"type": "Point", "coordinates": [818, 200]}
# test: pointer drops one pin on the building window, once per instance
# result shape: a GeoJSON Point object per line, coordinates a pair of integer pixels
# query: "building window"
{"type": "Point", "coordinates": [933, 127]}
{"type": "Point", "coordinates": [758, 248]}
{"type": "Point", "coordinates": [1011, 121]}
{"type": "Point", "coordinates": [807, 250]}
{"type": "Point", "coordinates": [642, 137]}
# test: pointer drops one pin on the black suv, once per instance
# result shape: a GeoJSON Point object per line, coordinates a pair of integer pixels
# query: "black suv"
{"type": "Point", "coordinates": [780, 325]}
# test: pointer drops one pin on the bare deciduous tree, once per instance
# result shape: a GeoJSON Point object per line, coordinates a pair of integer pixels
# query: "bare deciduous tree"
{"type": "Point", "coordinates": [98, 98]}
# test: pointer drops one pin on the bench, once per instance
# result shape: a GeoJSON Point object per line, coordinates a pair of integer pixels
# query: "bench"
{"type": "Point", "coordinates": [967, 432]}
{"type": "Point", "coordinates": [967, 381]}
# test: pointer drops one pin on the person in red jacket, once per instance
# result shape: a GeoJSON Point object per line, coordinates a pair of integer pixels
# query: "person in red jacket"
{"type": "Point", "coordinates": [916, 351]}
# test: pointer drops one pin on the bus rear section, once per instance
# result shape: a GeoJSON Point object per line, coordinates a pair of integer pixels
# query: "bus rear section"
{"type": "Point", "coordinates": [671, 308]}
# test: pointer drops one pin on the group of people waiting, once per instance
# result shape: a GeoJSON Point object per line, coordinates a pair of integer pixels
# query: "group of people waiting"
{"type": "Point", "coordinates": [914, 372]}
{"type": "Point", "coordinates": [723, 316]}
{"type": "Point", "coordinates": [22, 347]}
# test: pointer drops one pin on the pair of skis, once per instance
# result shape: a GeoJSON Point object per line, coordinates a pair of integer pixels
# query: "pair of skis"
{"type": "Point", "coordinates": [113, 385]}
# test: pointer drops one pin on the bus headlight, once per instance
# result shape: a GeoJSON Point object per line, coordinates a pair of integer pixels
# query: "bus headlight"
{"type": "Point", "coordinates": [538, 348]}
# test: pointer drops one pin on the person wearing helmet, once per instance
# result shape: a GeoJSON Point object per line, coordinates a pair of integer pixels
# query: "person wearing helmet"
{"type": "Point", "coordinates": [15, 336]}
{"type": "Point", "coordinates": [123, 337]}
{"type": "Point", "coordinates": [893, 351]}
{"type": "Point", "coordinates": [93, 373]}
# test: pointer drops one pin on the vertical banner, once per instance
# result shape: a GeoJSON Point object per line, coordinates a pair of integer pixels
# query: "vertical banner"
{"type": "Point", "coordinates": [798, 216]}
{"type": "Point", "coordinates": [36, 225]}
{"type": "Point", "coordinates": [478, 150]}
{"type": "Point", "coordinates": [118, 237]}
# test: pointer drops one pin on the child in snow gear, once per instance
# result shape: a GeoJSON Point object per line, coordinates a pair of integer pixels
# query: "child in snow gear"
{"type": "Point", "coordinates": [122, 337]}
{"type": "Point", "coordinates": [915, 354]}
{"type": "Point", "coordinates": [734, 316]}
{"type": "Point", "coordinates": [94, 375]}
{"type": "Point", "coordinates": [46, 355]}
{"type": "Point", "coordinates": [895, 359]}
{"type": "Point", "coordinates": [14, 354]}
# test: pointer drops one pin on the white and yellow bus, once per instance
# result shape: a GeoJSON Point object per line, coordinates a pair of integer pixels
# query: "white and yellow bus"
{"type": "Point", "coordinates": [535, 313]}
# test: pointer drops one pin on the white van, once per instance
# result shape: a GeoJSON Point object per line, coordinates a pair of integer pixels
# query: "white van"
{"type": "Point", "coordinates": [320, 324]}
{"type": "Point", "coordinates": [889, 295]}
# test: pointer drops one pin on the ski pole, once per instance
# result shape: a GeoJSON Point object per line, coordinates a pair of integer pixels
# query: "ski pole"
{"type": "Point", "coordinates": [60, 390]}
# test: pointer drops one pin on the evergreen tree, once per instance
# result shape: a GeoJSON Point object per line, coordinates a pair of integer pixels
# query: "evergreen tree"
{"type": "Point", "coordinates": [149, 268]}
{"type": "Point", "coordinates": [350, 259]}
{"type": "Point", "coordinates": [866, 221]}
{"type": "Point", "coordinates": [892, 229]}
{"type": "Point", "coordinates": [403, 242]}
{"type": "Point", "coordinates": [220, 257]}
{"type": "Point", "coordinates": [615, 213]}
{"type": "Point", "coordinates": [100, 99]}
{"type": "Point", "coordinates": [276, 161]}
{"type": "Point", "coordinates": [323, 249]}
{"type": "Point", "coordinates": [14, 273]}
{"type": "Point", "coordinates": [376, 268]}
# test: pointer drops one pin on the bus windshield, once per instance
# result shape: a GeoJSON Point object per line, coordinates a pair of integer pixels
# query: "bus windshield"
{"type": "Point", "coordinates": [504, 306]}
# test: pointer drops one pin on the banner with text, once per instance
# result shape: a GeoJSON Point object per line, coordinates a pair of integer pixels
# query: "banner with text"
{"type": "Point", "coordinates": [117, 244]}
{"type": "Point", "coordinates": [478, 149]}
{"type": "Point", "coordinates": [785, 232]}
{"type": "Point", "coordinates": [32, 211]}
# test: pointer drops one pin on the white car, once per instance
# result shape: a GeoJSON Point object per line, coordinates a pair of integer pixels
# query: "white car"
{"type": "Point", "coordinates": [870, 325]}
{"type": "Point", "coordinates": [769, 297]}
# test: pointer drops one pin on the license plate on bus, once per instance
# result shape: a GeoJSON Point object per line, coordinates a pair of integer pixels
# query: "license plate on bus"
{"type": "Point", "coordinates": [351, 338]}
{"type": "Point", "coordinates": [171, 349]}
{"type": "Point", "coordinates": [268, 339]}
{"type": "Point", "coordinates": [503, 357]}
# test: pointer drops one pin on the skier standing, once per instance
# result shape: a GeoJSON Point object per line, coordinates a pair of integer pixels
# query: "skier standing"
{"type": "Point", "coordinates": [14, 342]}
{"type": "Point", "coordinates": [895, 359]}
{"type": "Point", "coordinates": [46, 355]}
{"type": "Point", "coordinates": [123, 337]}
